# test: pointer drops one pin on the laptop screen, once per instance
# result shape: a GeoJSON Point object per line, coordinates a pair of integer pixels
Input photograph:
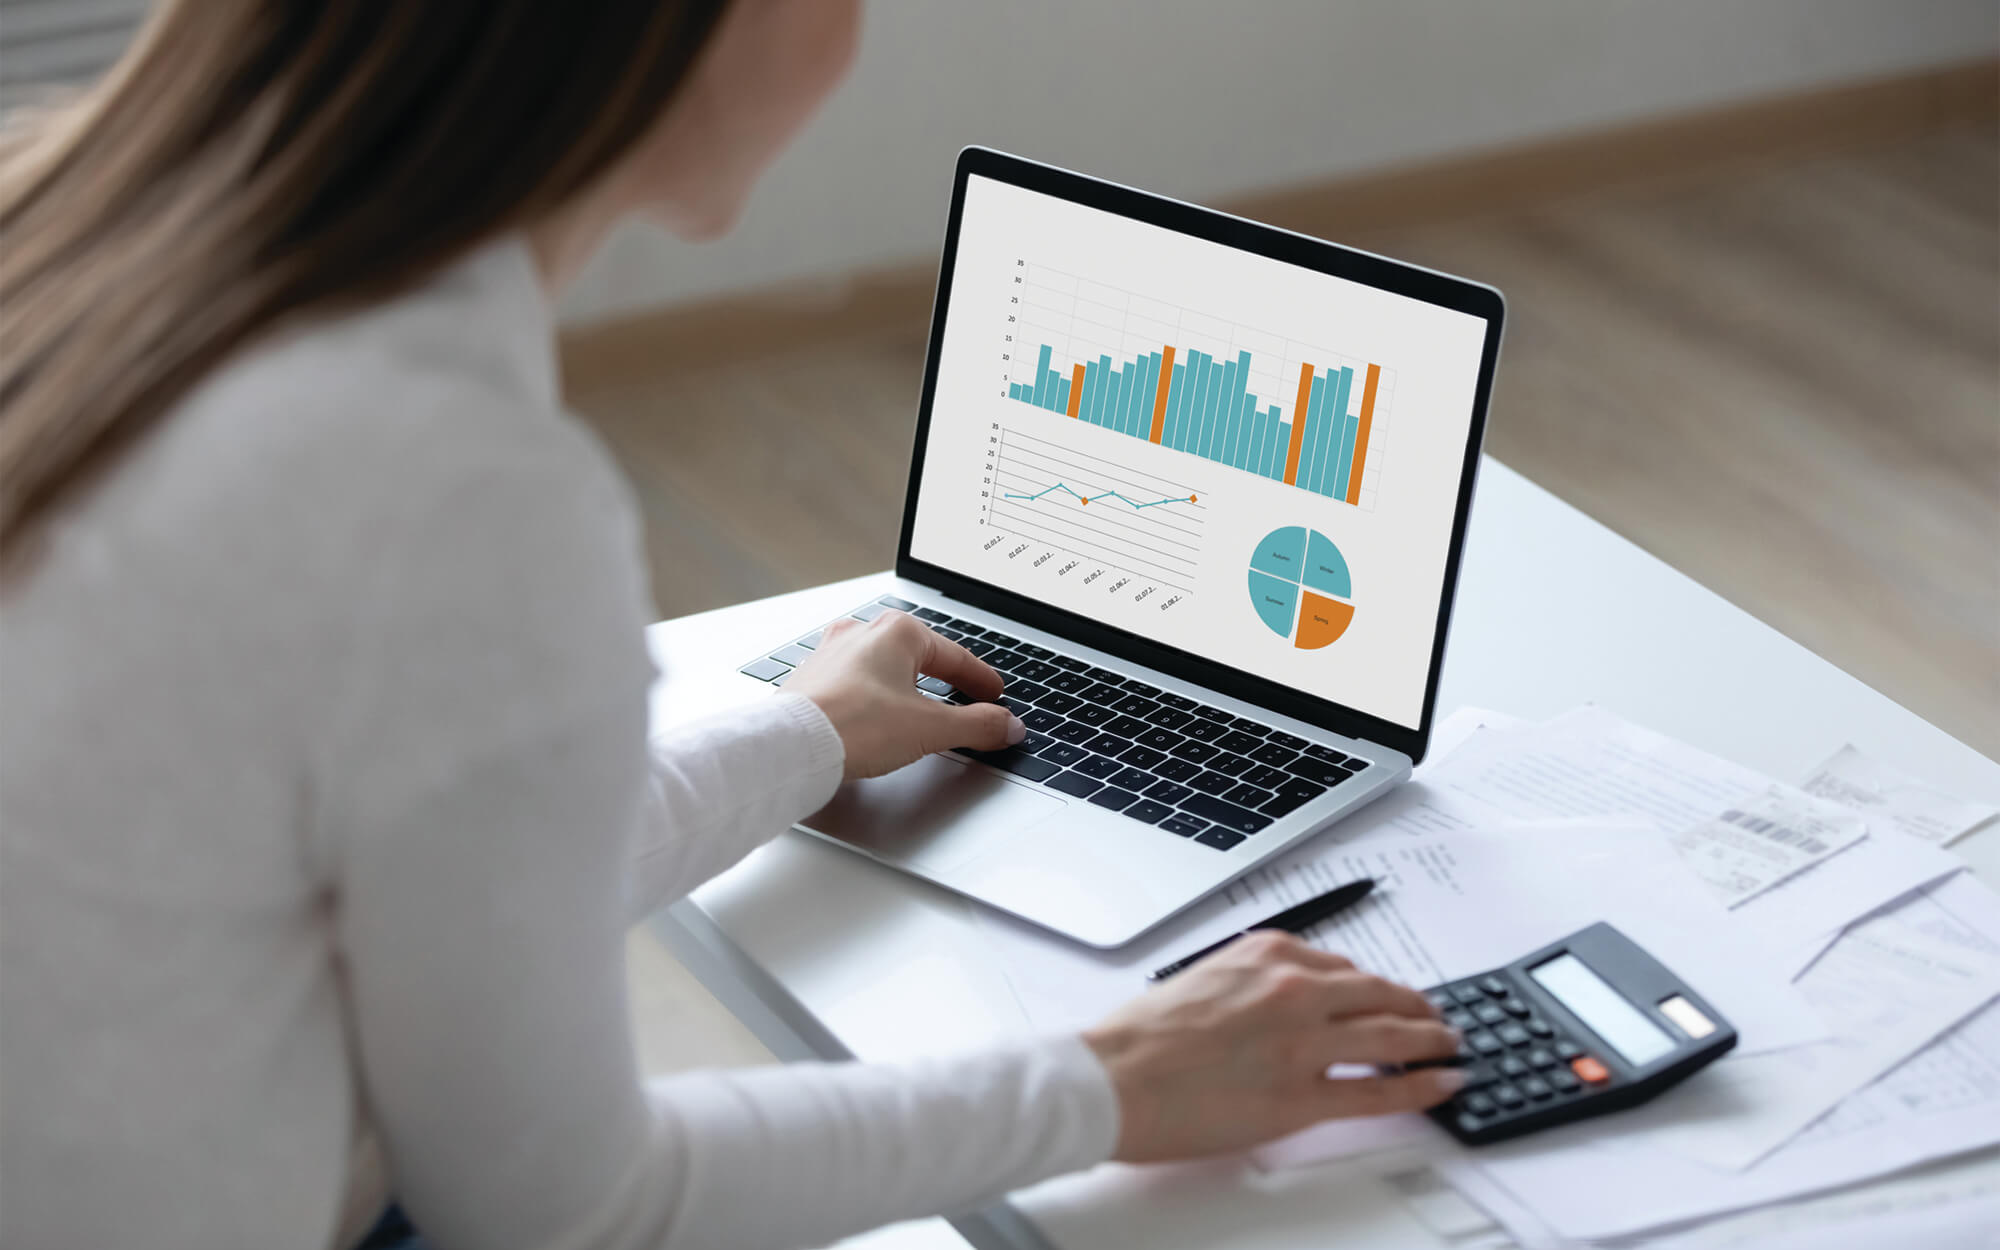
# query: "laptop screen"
{"type": "Point", "coordinates": [1220, 452]}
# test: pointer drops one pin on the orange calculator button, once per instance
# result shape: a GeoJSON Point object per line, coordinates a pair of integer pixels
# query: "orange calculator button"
{"type": "Point", "coordinates": [1589, 1070]}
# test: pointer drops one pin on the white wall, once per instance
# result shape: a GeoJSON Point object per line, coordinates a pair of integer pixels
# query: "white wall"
{"type": "Point", "coordinates": [1200, 99]}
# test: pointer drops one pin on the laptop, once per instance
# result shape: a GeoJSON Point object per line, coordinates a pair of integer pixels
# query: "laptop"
{"type": "Point", "coordinates": [1197, 487]}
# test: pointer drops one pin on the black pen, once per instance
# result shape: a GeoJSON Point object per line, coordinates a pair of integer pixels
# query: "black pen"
{"type": "Point", "coordinates": [1291, 920]}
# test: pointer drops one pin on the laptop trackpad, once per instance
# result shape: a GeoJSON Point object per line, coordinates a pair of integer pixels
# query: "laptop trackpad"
{"type": "Point", "coordinates": [935, 814]}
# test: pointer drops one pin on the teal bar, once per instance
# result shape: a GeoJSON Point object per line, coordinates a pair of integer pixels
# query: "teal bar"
{"type": "Point", "coordinates": [1100, 401]}
{"type": "Point", "coordinates": [1114, 411]}
{"type": "Point", "coordinates": [1062, 395]}
{"type": "Point", "coordinates": [1152, 399]}
{"type": "Point", "coordinates": [1212, 410]}
{"type": "Point", "coordinates": [1342, 449]}
{"type": "Point", "coordinates": [1135, 391]}
{"type": "Point", "coordinates": [1224, 406]}
{"type": "Point", "coordinates": [1191, 416]}
{"type": "Point", "coordinates": [1281, 442]}
{"type": "Point", "coordinates": [1050, 382]}
{"type": "Point", "coordinates": [1272, 462]}
{"type": "Point", "coordinates": [1240, 409]}
{"type": "Point", "coordinates": [1042, 373]}
{"type": "Point", "coordinates": [1090, 376]}
{"type": "Point", "coordinates": [1176, 399]}
{"type": "Point", "coordinates": [1232, 430]}
{"type": "Point", "coordinates": [1315, 433]}
{"type": "Point", "coordinates": [1260, 439]}
{"type": "Point", "coordinates": [1246, 427]}
{"type": "Point", "coordinates": [1013, 390]}
{"type": "Point", "coordinates": [1328, 433]}
{"type": "Point", "coordinates": [1339, 484]}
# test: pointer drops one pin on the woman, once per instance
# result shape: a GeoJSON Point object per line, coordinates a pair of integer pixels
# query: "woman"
{"type": "Point", "coordinates": [325, 799]}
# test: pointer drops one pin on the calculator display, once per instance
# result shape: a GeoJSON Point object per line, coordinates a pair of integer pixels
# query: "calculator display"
{"type": "Point", "coordinates": [1608, 1013]}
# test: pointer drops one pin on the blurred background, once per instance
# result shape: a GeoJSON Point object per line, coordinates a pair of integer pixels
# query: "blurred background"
{"type": "Point", "coordinates": [1751, 248]}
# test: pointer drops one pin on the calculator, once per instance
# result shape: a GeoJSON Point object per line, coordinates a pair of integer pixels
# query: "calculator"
{"type": "Point", "coordinates": [1586, 1025]}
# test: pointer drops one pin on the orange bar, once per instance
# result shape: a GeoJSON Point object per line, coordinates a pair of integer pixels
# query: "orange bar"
{"type": "Point", "coordinates": [1160, 396]}
{"type": "Point", "coordinates": [1299, 424]}
{"type": "Point", "coordinates": [1361, 433]}
{"type": "Point", "coordinates": [1075, 389]}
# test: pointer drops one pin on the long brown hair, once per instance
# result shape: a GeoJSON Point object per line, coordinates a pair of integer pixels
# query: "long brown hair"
{"type": "Point", "coordinates": [252, 161]}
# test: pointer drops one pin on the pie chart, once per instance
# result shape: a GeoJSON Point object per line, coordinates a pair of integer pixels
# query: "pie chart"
{"type": "Point", "coordinates": [1300, 588]}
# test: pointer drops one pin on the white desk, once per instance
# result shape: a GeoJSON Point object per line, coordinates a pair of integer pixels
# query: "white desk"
{"type": "Point", "coordinates": [824, 955]}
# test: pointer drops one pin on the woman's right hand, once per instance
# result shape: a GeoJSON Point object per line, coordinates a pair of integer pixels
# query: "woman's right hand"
{"type": "Point", "coordinates": [1234, 1051]}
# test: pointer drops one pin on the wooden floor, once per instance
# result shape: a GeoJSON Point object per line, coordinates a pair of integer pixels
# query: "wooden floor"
{"type": "Point", "coordinates": [1784, 380]}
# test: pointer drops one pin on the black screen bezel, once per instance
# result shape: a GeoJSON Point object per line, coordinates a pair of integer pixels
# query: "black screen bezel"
{"type": "Point", "coordinates": [1431, 287]}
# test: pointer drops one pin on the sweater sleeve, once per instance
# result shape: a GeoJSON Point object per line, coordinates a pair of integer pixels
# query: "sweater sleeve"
{"type": "Point", "coordinates": [495, 790]}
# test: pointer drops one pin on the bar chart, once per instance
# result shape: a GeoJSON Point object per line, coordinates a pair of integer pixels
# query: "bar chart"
{"type": "Point", "coordinates": [1249, 400]}
{"type": "Point", "coordinates": [1100, 511]}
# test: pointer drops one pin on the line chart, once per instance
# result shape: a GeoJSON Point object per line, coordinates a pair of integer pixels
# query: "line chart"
{"type": "Point", "coordinates": [1043, 492]}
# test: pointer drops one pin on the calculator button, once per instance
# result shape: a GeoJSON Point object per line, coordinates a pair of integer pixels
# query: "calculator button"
{"type": "Point", "coordinates": [1507, 1096]}
{"type": "Point", "coordinates": [1460, 1020]}
{"type": "Point", "coordinates": [1493, 985]}
{"type": "Point", "coordinates": [1512, 1034]}
{"type": "Point", "coordinates": [1513, 1006]}
{"type": "Point", "coordinates": [1567, 1050]}
{"type": "Point", "coordinates": [1540, 1057]}
{"type": "Point", "coordinates": [1536, 1088]}
{"type": "Point", "coordinates": [1487, 1013]}
{"type": "Point", "coordinates": [1513, 1067]}
{"type": "Point", "coordinates": [1467, 994]}
{"type": "Point", "coordinates": [1478, 1104]}
{"type": "Point", "coordinates": [1485, 1043]}
{"type": "Point", "coordinates": [1565, 1081]}
{"type": "Point", "coordinates": [1539, 1027]}
{"type": "Point", "coordinates": [1589, 1070]}
{"type": "Point", "coordinates": [1469, 1123]}
{"type": "Point", "coordinates": [1441, 1000]}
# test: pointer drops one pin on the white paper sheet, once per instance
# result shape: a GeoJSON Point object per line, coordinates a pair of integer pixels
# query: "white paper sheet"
{"type": "Point", "coordinates": [1889, 795]}
{"type": "Point", "coordinates": [1764, 838]}
{"type": "Point", "coordinates": [1589, 762]}
{"type": "Point", "coordinates": [1589, 1182]}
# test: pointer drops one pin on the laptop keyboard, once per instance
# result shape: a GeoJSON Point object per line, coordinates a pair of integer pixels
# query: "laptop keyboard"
{"type": "Point", "coordinates": [1160, 758]}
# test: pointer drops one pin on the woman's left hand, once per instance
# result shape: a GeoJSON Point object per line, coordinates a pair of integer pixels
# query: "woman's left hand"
{"type": "Point", "coordinates": [864, 677]}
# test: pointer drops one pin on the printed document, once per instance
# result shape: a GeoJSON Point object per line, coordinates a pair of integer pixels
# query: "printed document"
{"type": "Point", "coordinates": [1892, 796]}
{"type": "Point", "coordinates": [1765, 838]}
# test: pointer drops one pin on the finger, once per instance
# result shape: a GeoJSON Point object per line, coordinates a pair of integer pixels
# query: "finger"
{"type": "Point", "coordinates": [1363, 994]}
{"type": "Point", "coordinates": [975, 727]}
{"type": "Point", "coordinates": [1386, 1095]}
{"type": "Point", "coordinates": [947, 661]}
{"type": "Point", "coordinates": [838, 629]}
{"type": "Point", "coordinates": [1384, 1039]}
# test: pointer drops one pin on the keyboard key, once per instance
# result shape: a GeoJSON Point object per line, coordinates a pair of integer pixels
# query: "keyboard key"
{"type": "Point", "coordinates": [1015, 705]}
{"type": "Point", "coordinates": [1493, 986]}
{"type": "Point", "coordinates": [782, 678]}
{"type": "Point", "coordinates": [932, 615]}
{"type": "Point", "coordinates": [934, 685]}
{"type": "Point", "coordinates": [1092, 714]}
{"type": "Point", "coordinates": [1141, 688]}
{"type": "Point", "coordinates": [1328, 754]}
{"type": "Point", "coordinates": [1071, 663]}
{"type": "Point", "coordinates": [1286, 740]}
{"type": "Point", "coordinates": [1159, 739]}
{"type": "Point", "coordinates": [1104, 675]}
{"type": "Point", "coordinates": [1074, 683]}
{"type": "Point", "coordinates": [1208, 807]}
{"type": "Point", "coordinates": [1234, 765]}
{"type": "Point", "coordinates": [1074, 732]}
{"type": "Point", "coordinates": [1101, 692]}
{"type": "Point", "coordinates": [1143, 757]}
{"type": "Point", "coordinates": [1169, 718]}
{"type": "Point", "coordinates": [1563, 1080]}
{"type": "Point", "coordinates": [1126, 727]}
{"type": "Point", "coordinates": [978, 646]}
{"type": "Point", "coordinates": [1107, 744]}
{"type": "Point", "coordinates": [765, 669]}
{"type": "Point", "coordinates": [1219, 838]}
{"type": "Point", "coordinates": [1488, 1013]}
{"type": "Point", "coordinates": [1170, 792]}
{"type": "Point", "coordinates": [1244, 724]}
{"type": "Point", "coordinates": [1004, 661]}
{"type": "Point", "coordinates": [1479, 1103]}
{"type": "Point", "coordinates": [1026, 691]}
{"type": "Point", "coordinates": [1513, 1067]}
{"type": "Point", "coordinates": [1514, 1006]}
{"type": "Point", "coordinates": [1199, 752]}
{"type": "Point", "coordinates": [962, 626]}
{"type": "Point", "coordinates": [1178, 770]}
{"type": "Point", "coordinates": [1187, 827]}
{"type": "Point", "coordinates": [1204, 730]}
{"type": "Point", "coordinates": [961, 698]}
{"type": "Point", "coordinates": [1039, 720]}
{"type": "Point", "coordinates": [1266, 776]}
{"type": "Point", "coordinates": [1057, 701]}
{"type": "Point", "coordinates": [811, 641]}
{"type": "Point", "coordinates": [1484, 1043]}
{"type": "Point", "coordinates": [1213, 783]}
{"type": "Point", "coordinates": [1507, 1096]}
{"type": "Point", "coordinates": [1102, 767]}
{"type": "Point", "coordinates": [1036, 670]}
{"type": "Point", "coordinates": [1292, 795]}
{"type": "Point", "coordinates": [869, 611]}
{"type": "Point", "coordinates": [1538, 1026]}
{"type": "Point", "coordinates": [1032, 651]}
{"type": "Point", "coordinates": [1540, 1057]}
{"type": "Point", "coordinates": [1568, 1050]}
{"type": "Point", "coordinates": [1180, 701]}
{"type": "Point", "coordinates": [1136, 705]}
{"type": "Point", "coordinates": [1133, 779]}
{"type": "Point", "coordinates": [1018, 762]}
{"type": "Point", "coordinates": [901, 605]}
{"type": "Point", "coordinates": [1249, 796]}
{"type": "Point", "coordinates": [1453, 1017]}
{"type": "Point", "coordinates": [1114, 798]}
{"type": "Point", "coordinates": [792, 653]}
{"type": "Point", "coordinates": [1276, 754]}
{"type": "Point", "coordinates": [1063, 753]}
{"type": "Point", "coordinates": [1318, 770]}
{"type": "Point", "coordinates": [1148, 811]}
{"type": "Point", "coordinates": [1032, 744]}
{"type": "Point", "coordinates": [1077, 784]}
{"type": "Point", "coordinates": [1468, 995]}
{"type": "Point", "coordinates": [951, 634]}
